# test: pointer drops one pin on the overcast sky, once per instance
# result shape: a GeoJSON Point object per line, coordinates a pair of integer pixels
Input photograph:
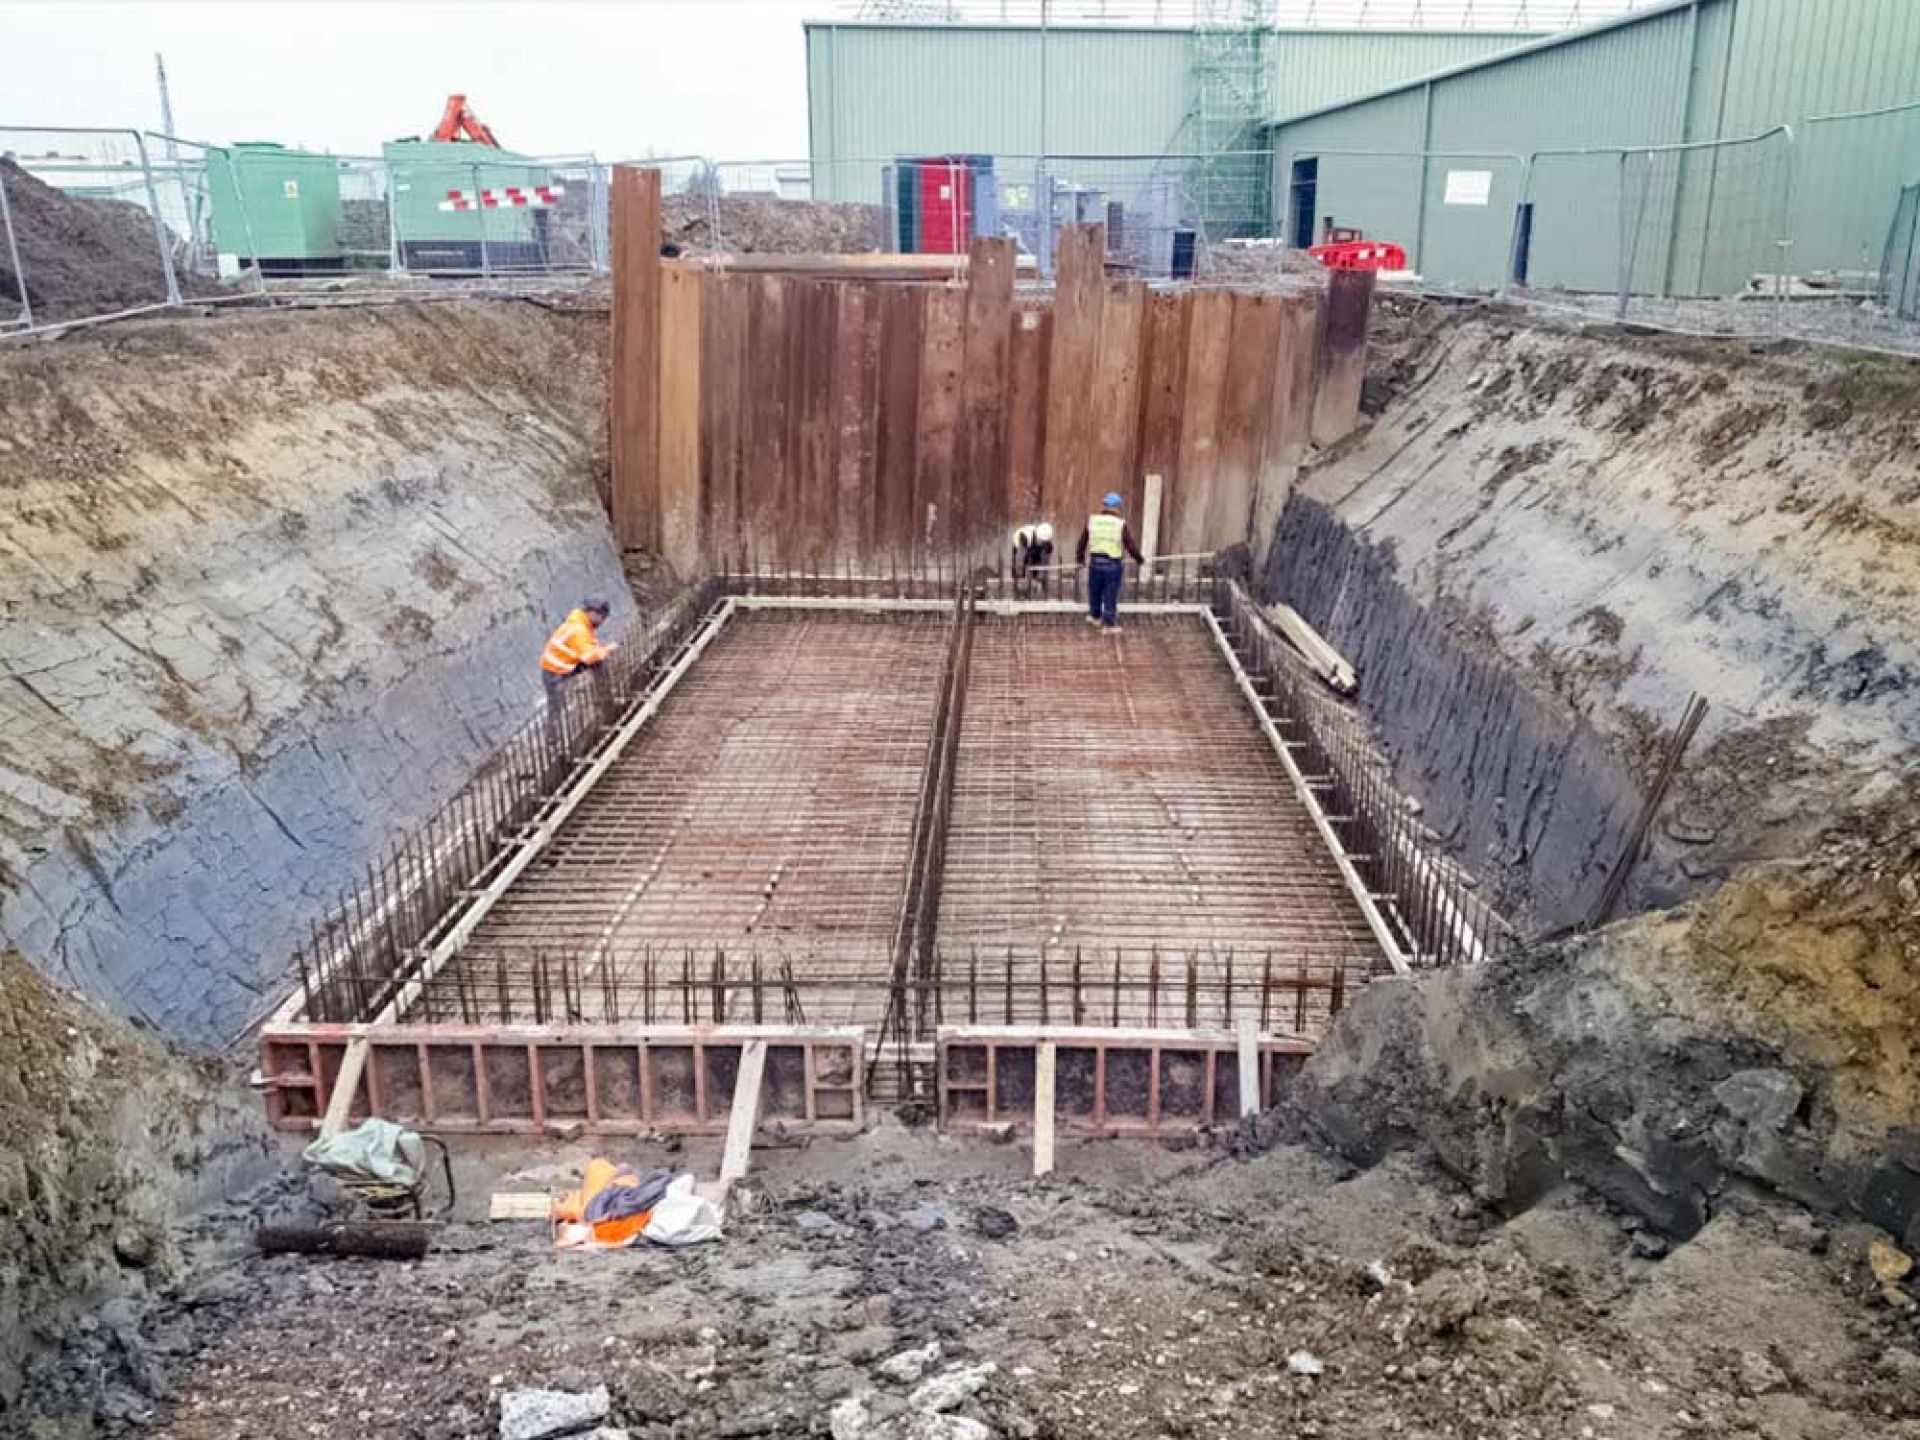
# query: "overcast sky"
{"type": "Point", "coordinates": [619, 78]}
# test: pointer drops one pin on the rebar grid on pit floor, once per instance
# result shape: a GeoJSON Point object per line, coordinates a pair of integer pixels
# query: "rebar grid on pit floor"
{"type": "Point", "coordinates": [1114, 792]}
{"type": "Point", "coordinates": [770, 804]}
{"type": "Point", "coordinates": [686, 985]}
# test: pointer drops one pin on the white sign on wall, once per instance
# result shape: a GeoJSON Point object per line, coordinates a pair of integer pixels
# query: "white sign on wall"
{"type": "Point", "coordinates": [1469, 187]}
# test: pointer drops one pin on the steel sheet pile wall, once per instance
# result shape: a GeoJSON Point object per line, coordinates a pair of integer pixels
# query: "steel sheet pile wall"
{"type": "Point", "coordinates": [801, 419]}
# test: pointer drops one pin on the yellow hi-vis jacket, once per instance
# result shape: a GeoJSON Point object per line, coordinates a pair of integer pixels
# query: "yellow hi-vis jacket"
{"type": "Point", "coordinates": [1105, 534]}
{"type": "Point", "coordinates": [574, 644]}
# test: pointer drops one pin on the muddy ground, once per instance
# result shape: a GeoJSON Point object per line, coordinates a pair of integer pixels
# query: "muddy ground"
{"type": "Point", "coordinates": [1142, 1292]}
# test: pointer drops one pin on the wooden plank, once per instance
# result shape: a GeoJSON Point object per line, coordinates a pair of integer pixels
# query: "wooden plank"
{"type": "Point", "coordinates": [680, 373]}
{"type": "Point", "coordinates": [1116, 400]}
{"type": "Point", "coordinates": [1341, 362]}
{"type": "Point", "coordinates": [809, 527]}
{"type": "Point", "coordinates": [1246, 408]}
{"type": "Point", "coordinates": [1247, 1034]}
{"type": "Point", "coordinates": [1328, 663]}
{"type": "Point", "coordinates": [980, 462]}
{"type": "Point", "coordinates": [897, 428]}
{"type": "Point", "coordinates": [765, 401]}
{"type": "Point", "coordinates": [1163, 388]}
{"type": "Point", "coordinates": [1150, 511]}
{"type": "Point", "coordinates": [1210, 331]}
{"type": "Point", "coordinates": [519, 1205]}
{"type": "Point", "coordinates": [746, 1111]}
{"type": "Point", "coordinates": [1026, 439]}
{"type": "Point", "coordinates": [856, 406]}
{"type": "Point", "coordinates": [1288, 425]}
{"type": "Point", "coordinates": [346, 1084]}
{"type": "Point", "coordinates": [1079, 287]}
{"type": "Point", "coordinates": [723, 342]}
{"type": "Point", "coordinates": [1043, 1073]}
{"type": "Point", "coordinates": [876, 265]}
{"type": "Point", "coordinates": [941, 358]}
{"type": "Point", "coordinates": [634, 408]}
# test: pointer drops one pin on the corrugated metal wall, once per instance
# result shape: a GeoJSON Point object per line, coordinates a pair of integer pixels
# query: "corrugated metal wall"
{"type": "Point", "coordinates": [1699, 222]}
{"type": "Point", "coordinates": [1311, 68]}
{"type": "Point", "coordinates": [880, 91]}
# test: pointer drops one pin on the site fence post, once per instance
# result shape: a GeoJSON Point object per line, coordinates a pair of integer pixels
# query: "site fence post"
{"type": "Point", "coordinates": [1620, 241]}
{"type": "Point", "coordinates": [596, 215]}
{"type": "Point", "coordinates": [13, 254]}
{"type": "Point", "coordinates": [480, 209]}
{"type": "Point", "coordinates": [712, 188]}
{"type": "Point", "coordinates": [159, 226]}
{"type": "Point", "coordinates": [1043, 206]}
{"type": "Point", "coordinates": [246, 220]}
{"type": "Point", "coordinates": [1783, 247]}
{"type": "Point", "coordinates": [396, 257]}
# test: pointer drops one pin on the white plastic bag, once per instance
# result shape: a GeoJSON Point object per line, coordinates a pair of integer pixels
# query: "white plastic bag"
{"type": "Point", "coordinates": [681, 1217]}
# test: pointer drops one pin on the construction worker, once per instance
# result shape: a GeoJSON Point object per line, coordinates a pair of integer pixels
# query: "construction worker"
{"type": "Point", "coordinates": [1103, 544]}
{"type": "Point", "coordinates": [1033, 553]}
{"type": "Point", "coordinates": [575, 647]}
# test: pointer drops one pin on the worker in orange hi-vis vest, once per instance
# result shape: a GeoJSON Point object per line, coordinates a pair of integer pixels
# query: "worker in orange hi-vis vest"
{"type": "Point", "coordinates": [574, 648]}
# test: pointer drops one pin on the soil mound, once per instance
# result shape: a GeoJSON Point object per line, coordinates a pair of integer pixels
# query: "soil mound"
{"type": "Point", "coordinates": [751, 224]}
{"type": "Point", "coordinates": [79, 256]}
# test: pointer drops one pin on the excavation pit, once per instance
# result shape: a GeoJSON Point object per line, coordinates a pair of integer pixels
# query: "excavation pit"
{"type": "Point", "coordinates": [896, 840]}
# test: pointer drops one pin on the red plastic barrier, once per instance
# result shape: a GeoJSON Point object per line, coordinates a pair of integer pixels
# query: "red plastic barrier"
{"type": "Point", "coordinates": [1360, 255]}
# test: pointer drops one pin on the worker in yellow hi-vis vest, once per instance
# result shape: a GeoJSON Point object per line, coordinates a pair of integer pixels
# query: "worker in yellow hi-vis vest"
{"type": "Point", "coordinates": [575, 647]}
{"type": "Point", "coordinates": [1103, 545]}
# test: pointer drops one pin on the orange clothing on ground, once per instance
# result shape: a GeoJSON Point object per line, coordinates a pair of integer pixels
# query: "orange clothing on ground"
{"type": "Point", "coordinates": [571, 1209]}
{"type": "Point", "coordinates": [574, 644]}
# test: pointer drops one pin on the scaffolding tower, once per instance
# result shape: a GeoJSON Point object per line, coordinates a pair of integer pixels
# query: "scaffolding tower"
{"type": "Point", "coordinates": [1231, 185]}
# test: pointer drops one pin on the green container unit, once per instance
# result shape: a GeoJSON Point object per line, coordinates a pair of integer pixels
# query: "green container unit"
{"type": "Point", "coordinates": [426, 173]}
{"type": "Point", "coordinates": [277, 206]}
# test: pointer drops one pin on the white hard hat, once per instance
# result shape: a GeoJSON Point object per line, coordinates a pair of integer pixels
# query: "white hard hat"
{"type": "Point", "coordinates": [1043, 533]}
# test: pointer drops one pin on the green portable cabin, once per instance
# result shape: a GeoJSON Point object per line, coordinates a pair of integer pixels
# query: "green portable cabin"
{"type": "Point", "coordinates": [440, 203]}
{"type": "Point", "coordinates": [277, 206]}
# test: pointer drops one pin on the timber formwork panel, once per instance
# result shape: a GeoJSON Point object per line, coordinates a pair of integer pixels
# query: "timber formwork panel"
{"type": "Point", "coordinates": [607, 1080]}
{"type": "Point", "coordinates": [1117, 811]}
{"type": "Point", "coordinates": [1107, 1082]}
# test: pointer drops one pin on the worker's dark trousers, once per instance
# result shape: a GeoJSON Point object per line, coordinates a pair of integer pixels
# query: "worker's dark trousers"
{"type": "Point", "coordinates": [559, 687]}
{"type": "Point", "coordinates": [1103, 589]}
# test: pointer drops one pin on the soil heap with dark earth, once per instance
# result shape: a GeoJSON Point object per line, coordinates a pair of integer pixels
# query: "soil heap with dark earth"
{"type": "Point", "coordinates": [81, 256]}
{"type": "Point", "coordinates": [751, 223]}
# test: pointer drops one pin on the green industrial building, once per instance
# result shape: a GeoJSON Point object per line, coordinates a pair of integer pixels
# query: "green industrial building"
{"type": "Point", "coordinates": [879, 91]}
{"type": "Point", "coordinates": [1689, 146]}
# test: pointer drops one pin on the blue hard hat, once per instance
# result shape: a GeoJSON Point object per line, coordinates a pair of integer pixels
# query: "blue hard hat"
{"type": "Point", "coordinates": [1112, 500]}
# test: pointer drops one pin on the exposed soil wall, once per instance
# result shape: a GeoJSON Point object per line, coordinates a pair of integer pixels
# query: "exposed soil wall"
{"type": "Point", "coordinates": [272, 585]}
{"type": "Point", "coordinates": [1614, 523]}
{"type": "Point", "coordinates": [1767, 1036]}
{"type": "Point", "coordinates": [106, 1139]}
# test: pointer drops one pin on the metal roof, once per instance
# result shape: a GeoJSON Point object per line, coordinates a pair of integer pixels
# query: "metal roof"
{"type": "Point", "coordinates": [1518, 52]}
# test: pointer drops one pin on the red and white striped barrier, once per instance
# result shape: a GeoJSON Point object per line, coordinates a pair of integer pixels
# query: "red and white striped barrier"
{"type": "Point", "coordinates": [513, 197]}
